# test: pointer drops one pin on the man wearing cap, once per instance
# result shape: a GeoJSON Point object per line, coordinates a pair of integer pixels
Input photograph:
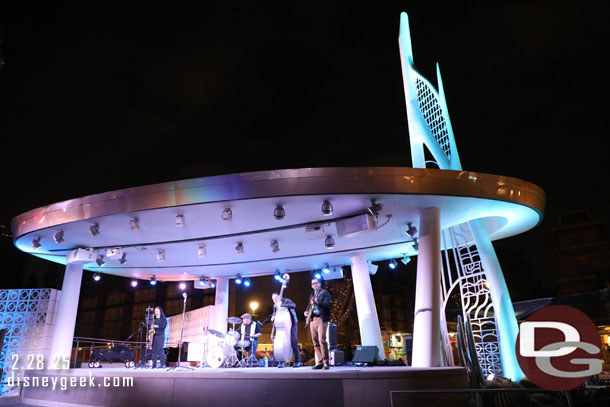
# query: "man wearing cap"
{"type": "Point", "coordinates": [250, 331]}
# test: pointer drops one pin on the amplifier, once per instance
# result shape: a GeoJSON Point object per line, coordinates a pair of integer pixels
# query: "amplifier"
{"type": "Point", "coordinates": [336, 357]}
{"type": "Point", "coordinates": [365, 355]}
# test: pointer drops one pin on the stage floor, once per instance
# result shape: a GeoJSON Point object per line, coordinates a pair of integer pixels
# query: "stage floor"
{"type": "Point", "coordinates": [339, 386]}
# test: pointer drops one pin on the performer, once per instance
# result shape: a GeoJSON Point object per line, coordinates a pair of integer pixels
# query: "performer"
{"type": "Point", "coordinates": [294, 342]}
{"type": "Point", "coordinates": [159, 324]}
{"type": "Point", "coordinates": [319, 306]}
{"type": "Point", "coordinates": [250, 331]}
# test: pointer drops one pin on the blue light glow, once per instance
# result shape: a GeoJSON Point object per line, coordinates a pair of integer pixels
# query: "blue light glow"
{"type": "Point", "coordinates": [317, 275]}
{"type": "Point", "coordinates": [392, 264]}
{"type": "Point", "coordinates": [247, 282]}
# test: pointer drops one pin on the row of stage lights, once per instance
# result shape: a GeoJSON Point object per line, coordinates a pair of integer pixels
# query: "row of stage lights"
{"type": "Point", "coordinates": [180, 221]}
{"type": "Point", "coordinates": [202, 282]}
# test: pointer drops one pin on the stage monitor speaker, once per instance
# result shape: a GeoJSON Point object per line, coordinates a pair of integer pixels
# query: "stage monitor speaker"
{"type": "Point", "coordinates": [336, 357]}
{"type": "Point", "coordinates": [365, 355]}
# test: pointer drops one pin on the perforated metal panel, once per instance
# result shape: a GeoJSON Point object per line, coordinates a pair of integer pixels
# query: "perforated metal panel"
{"type": "Point", "coordinates": [29, 317]}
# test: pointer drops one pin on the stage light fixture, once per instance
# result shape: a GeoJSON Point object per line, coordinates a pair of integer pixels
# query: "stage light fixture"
{"type": "Point", "coordinates": [239, 249]}
{"type": "Point", "coordinates": [182, 285]}
{"type": "Point", "coordinates": [278, 276]}
{"type": "Point", "coordinates": [58, 237]}
{"type": "Point", "coordinates": [412, 230]}
{"type": "Point", "coordinates": [326, 268]}
{"type": "Point", "coordinates": [153, 280]}
{"type": "Point", "coordinates": [329, 242]}
{"type": "Point", "coordinates": [405, 259]}
{"type": "Point", "coordinates": [94, 229]}
{"type": "Point", "coordinates": [247, 282]}
{"type": "Point", "coordinates": [227, 214]}
{"type": "Point", "coordinates": [327, 208]}
{"type": "Point", "coordinates": [97, 277]}
{"type": "Point", "coordinates": [161, 255]}
{"type": "Point", "coordinates": [416, 244]}
{"type": "Point", "coordinates": [213, 283]}
{"type": "Point", "coordinates": [275, 246]}
{"type": "Point", "coordinates": [392, 264]}
{"type": "Point", "coordinates": [372, 267]}
{"type": "Point", "coordinates": [100, 261]}
{"type": "Point", "coordinates": [36, 242]}
{"type": "Point", "coordinates": [279, 212]}
{"type": "Point", "coordinates": [238, 279]}
{"type": "Point", "coordinates": [134, 223]}
{"type": "Point", "coordinates": [375, 208]}
{"type": "Point", "coordinates": [179, 220]}
{"type": "Point", "coordinates": [134, 283]}
{"type": "Point", "coordinates": [123, 259]}
{"type": "Point", "coordinates": [201, 251]}
{"type": "Point", "coordinates": [317, 275]}
{"type": "Point", "coordinates": [203, 281]}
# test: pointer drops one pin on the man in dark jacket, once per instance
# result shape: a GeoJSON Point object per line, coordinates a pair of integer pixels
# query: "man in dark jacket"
{"type": "Point", "coordinates": [294, 342]}
{"type": "Point", "coordinates": [319, 307]}
{"type": "Point", "coordinates": [159, 324]}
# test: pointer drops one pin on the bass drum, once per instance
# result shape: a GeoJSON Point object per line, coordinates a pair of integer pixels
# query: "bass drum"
{"type": "Point", "coordinates": [216, 357]}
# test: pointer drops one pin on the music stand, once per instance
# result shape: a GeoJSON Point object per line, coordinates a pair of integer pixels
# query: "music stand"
{"type": "Point", "coordinates": [180, 342]}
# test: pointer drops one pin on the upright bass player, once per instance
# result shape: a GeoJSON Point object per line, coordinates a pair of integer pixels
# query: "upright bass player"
{"type": "Point", "coordinates": [294, 342]}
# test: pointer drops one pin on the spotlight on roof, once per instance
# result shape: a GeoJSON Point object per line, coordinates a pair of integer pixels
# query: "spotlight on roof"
{"type": "Point", "coordinates": [36, 242]}
{"type": "Point", "coordinates": [412, 230]}
{"type": "Point", "coordinates": [153, 280]}
{"type": "Point", "coordinates": [392, 264]}
{"type": "Point", "coordinates": [179, 220]}
{"type": "Point", "coordinates": [247, 282]}
{"type": "Point", "coordinates": [134, 223]}
{"type": "Point", "coordinates": [405, 259]}
{"type": "Point", "coordinates": [97, 277]}
{"type": "Point", "coordinates": [275, 246]}
{"type": "Point", "coordinates": [161, 255]}
{"type": "Point", "coordinates": [238, 279]}
{"type": "Point", "coordinates": [213, 283]}
{"type": "Point", "coordinates": [278, 276]}
{"type": "Point", "coordinates": [239, 249]}
{"type": "Point", "coordinates": [329, 242]}
{"type": "Point", "coordinates": [203, 282]}
{"type": "Point", "coordinates": [227, 214]}
{"type": "Point", "coordinates": [94, 229]}
{"type": "Point", "coordinates": [100, 261]}
{"type": "Point", "coordinates": [59, 236]}
{"type": "Point", "coordinates": [182, 285]}
{"type": "Point", "coordinates": [123, 259]}
{"type": "Point", "coordinates": [327, 208]}
{"type": "Point", "coordinates": [317, 275]}
{"type": "Point", "coordinates": [201, 251]}
{"type": "Point", "coordinates": [372, 267]}
{"type": "Point", "coordinates": [416, 244]}
{"type": "Point", "coordinates": [326, 268]}
{"type": "Point", "coordinates": [279, 212]}
{"type": "Point", "coordinates": [134, 283]}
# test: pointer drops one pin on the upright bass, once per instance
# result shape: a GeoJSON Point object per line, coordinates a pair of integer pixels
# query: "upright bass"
{"type": "Point", "coordinates": [282, 349]}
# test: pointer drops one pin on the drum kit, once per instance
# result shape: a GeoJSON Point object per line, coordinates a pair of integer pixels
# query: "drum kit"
{"type": "Point", "coordinates": [222, 353]}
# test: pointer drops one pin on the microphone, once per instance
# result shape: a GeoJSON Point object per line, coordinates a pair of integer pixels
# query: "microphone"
{"type": "Point", "coordinates": [184, 295]}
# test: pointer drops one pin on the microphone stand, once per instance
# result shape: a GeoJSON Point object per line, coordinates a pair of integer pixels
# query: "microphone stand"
{"type": "Point", "coordinates": [180, 342]}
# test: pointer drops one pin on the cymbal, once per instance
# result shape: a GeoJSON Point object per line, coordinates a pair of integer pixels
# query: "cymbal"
{"type": "Point", "coordinates": [216, 333]}
{"type": "Point", "coordinates": [234, 320]}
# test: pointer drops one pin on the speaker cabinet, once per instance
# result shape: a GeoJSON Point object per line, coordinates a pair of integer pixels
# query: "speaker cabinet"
{"type": "Point", "coordinates": [365, 355]}
{"type": "Point", "coordinates": [331, 336]}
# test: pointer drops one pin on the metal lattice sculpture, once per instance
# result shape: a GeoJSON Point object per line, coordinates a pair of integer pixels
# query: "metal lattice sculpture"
{"type": "Point", "coordinates": [430, 127]}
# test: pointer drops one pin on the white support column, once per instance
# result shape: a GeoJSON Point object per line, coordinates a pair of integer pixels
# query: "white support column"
{"type": "Point", "coordinates": [370, 334]}
{"type": "Point", "coordinates": [65, 322]}
{"type": "Point", "coordinates": [503, 307]}
{"type": "Point", "coordinates": [221, 304]}
{"type": "Point", "coordinates": [426, 322]}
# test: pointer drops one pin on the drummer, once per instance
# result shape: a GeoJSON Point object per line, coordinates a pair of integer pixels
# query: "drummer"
{"type": "Point", "coordinates": [249, 333]}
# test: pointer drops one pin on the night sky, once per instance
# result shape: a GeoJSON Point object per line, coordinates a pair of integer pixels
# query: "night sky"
{"type": "Point", "coordinates": [96, 98]}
